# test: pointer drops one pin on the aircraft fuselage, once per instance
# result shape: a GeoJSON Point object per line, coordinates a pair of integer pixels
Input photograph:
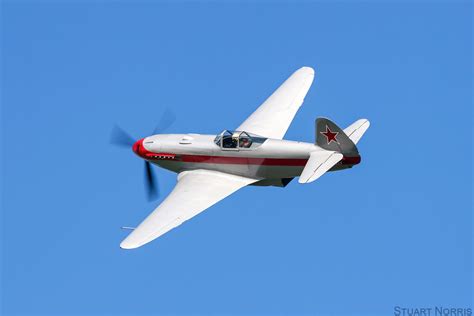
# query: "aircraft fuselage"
{"type": "Point", "coordinates": [272, 161]}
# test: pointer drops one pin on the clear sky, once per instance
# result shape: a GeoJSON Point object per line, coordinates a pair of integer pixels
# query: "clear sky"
{"type": "Point", "coordinates": [394, 231]}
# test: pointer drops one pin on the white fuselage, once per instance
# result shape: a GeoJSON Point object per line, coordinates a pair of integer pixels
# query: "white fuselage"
{"type": "Point", "coordinates": [272, 159]}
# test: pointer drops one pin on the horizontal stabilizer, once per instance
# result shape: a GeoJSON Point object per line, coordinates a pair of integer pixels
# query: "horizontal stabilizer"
{"type": "Point", "coordinates": [319, 162]}
{"type": "Point", "coordinates": [357, 129]}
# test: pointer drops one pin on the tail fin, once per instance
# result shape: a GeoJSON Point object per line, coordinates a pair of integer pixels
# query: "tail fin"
{"type": "Point", "coordinates": [330, 137]}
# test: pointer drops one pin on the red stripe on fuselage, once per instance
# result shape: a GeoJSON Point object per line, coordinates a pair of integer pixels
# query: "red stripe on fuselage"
{"type": "Point", "coordinates": [244, 160]}
{"type": "Point", "coordinates": [297, 162]}
{"type": "Point", "coordinates": [350, 160]}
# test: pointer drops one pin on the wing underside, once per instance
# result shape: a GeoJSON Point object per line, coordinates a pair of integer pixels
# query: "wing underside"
{"type": "Point", "coordinates": [274, 116]}
{"type": "Point", "coordinates": [194, 192]}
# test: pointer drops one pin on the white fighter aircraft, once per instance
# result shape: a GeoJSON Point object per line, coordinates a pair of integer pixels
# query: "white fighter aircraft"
{"type": "Point", "coordinates": [212, 167]}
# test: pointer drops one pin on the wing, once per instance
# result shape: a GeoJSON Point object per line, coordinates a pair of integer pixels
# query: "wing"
{"type": "Point", "coordinates": [274, 116]}
{"type": "Point", "coordinates": [195, 191]}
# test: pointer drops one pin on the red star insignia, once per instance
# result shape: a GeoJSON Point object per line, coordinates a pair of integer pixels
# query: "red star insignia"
{"type": "Point", "coordinates": [330, 135]}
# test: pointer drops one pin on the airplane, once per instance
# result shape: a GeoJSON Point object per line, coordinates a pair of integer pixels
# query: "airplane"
{"type": "Point", "coordinates": [211, 167]}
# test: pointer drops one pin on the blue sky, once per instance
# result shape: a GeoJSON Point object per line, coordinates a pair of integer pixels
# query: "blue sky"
{"type": "Point", "coordinates": [394, 231]}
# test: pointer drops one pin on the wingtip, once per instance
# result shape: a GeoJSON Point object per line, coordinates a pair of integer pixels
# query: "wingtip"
{"type": "Point", "coordinates": [126, 245]}
{"type": "Point", "coordinates": [307, 69]}
{"type": "Point", "coordinates": [131, 242]}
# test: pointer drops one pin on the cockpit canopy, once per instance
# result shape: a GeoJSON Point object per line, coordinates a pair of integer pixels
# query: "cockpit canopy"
{"type": "Point", "coordinates": [236, 140]}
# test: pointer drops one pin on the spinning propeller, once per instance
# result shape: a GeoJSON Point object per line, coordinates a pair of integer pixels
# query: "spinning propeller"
{"type": "Point", "coordinates": [121, 138]}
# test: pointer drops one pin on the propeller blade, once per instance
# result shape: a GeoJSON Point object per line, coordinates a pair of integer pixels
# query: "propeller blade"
{"type": "Point", "coordinates": [151, 184]}
{"type": "Point", "coordinates": [121, 138]}
{"type": "Point", "coordinates": [167, 119]}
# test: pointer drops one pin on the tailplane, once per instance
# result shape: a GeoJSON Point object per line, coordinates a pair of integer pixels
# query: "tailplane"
{"type": "Point", "coordinates": [340, 149]}
{"type": "Point", "coordinates": [357, 129]}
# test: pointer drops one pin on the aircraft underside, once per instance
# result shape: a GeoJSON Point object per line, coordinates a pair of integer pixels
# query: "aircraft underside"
{"type": "Point", "coordinates": [256, 168]}
{"type": "Point", "coordinates": [211, 167]}
{"type": "Point", "coordinates": [244, 170]}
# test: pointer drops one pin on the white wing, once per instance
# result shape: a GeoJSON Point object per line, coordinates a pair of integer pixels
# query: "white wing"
{"type": "Point", "coordinates": [195, 191]}
{"type": "Point", "coordinates": [274, 116]}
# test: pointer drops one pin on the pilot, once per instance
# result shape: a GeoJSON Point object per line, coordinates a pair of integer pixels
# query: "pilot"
{"type": "Point", "coordinates": [245, 143]}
